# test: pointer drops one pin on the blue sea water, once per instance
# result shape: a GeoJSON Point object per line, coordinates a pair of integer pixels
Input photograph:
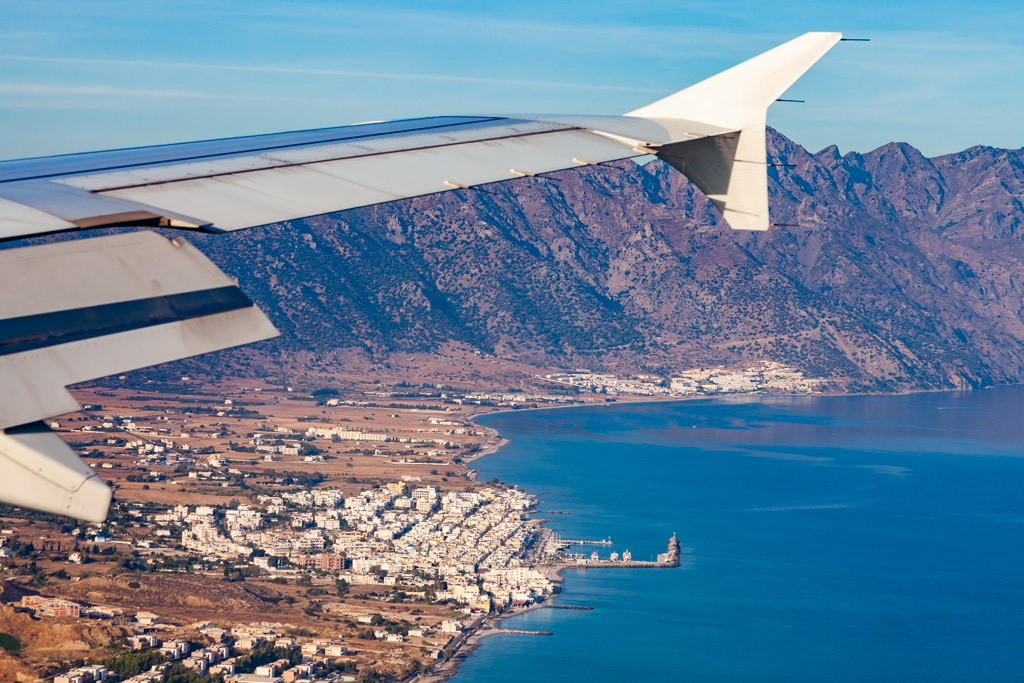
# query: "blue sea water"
{"type": "Point", "coordinates": [824, 538]}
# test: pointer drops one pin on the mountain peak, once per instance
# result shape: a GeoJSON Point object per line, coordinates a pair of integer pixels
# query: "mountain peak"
{"type": "Point", "coordinates": [829, 155]}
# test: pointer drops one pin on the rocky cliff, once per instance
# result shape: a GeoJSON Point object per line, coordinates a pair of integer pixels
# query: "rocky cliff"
{"type": "Point", "coordinates": [892, 271]}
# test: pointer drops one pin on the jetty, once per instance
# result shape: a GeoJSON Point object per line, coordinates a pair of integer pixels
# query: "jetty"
{"type": "Point", "coordinates": [669, 558]}
{"type": "Point", "coordinates": [576, 541]}
{"type": "Point", "coordinates": [566, 542]}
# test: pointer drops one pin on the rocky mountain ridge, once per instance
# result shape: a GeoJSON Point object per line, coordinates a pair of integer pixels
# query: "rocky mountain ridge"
{"type": "Point", "coordinates": [892, 271]}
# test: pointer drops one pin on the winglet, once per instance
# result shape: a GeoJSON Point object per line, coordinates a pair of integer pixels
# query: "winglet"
{"type": "Point", "coordinates": [731, 169]}
{"type": "Point", "coordinates": [739, 97]}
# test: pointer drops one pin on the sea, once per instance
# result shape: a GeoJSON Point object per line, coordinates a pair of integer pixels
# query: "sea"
{"type": "Point", "coordinates": [854, 538]}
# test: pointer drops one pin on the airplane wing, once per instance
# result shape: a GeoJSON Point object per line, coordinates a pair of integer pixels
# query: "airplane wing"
{"type": "Point", "coordinates": [78, 310]}
{"type": "Point", "coordinates": [81, 310]}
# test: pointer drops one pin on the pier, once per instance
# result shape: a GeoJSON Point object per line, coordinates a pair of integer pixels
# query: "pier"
{"type": "Point", "coordinates": [566, 542]}
{"type": "Point", "coordinates": [526, 633]}
{"type": "Point", "coordinates": [622, 564]}
{"type": "Point", "coordinates": [669, 558]}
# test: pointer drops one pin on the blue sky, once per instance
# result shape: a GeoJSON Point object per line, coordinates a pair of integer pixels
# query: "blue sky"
{"type": "Point", "coordinates": [79, 76]}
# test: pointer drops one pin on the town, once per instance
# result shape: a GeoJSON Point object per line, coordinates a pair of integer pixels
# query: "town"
{"type": "Point", "coordinates": [466, 550]}
{"type": "Point", "coordinates": [768, 377]}
{"type": "Point", "coordinates": [270, 533]}
{"type": "Point", "coordinates": [266, 532]}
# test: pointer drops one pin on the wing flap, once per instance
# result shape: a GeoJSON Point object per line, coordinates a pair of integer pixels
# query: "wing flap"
{"type": "Point", "coordinates": [76, 311]}
{"type": "Point", "coordinates": [42, 472]}
{"type": "Point", "coordinates": [83, 209]}
{"type": "Point", "coordinates": [18, 219]}
{"type": "Point", "coordinates": [35, 379]}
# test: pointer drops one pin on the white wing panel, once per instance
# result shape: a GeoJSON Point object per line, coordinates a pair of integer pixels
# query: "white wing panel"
{"type": "Point", "coordinates": [293, 156]}
{"type": "Point", "coordinates": [20, 219]}
{"type": "Point", "coordinates": [42, 472]}
{"type": "Point", "coordinates": [242, 200]}
{"type": "Point", "coordinates": [79, 273]}
{"type": "Point", "coordinates": [34, 380]}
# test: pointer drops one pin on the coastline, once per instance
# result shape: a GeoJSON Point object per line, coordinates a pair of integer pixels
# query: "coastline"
{"type": "Point", "coordinates": [489, 447]}
{"type": "Point", "coordinates": [472, 415]}
{"type": "Point", "coordinates": [490, 624]}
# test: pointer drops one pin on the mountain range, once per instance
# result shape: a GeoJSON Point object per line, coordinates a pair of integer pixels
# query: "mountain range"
{"type": "Point", "coordinates": [888, 271]}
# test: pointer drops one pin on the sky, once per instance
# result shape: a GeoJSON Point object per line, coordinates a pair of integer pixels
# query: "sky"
{"type": "Point", "coordinates": [80, 76]}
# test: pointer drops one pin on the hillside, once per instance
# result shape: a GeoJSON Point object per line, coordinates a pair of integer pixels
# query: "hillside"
{"type": "Point", "coordinates": [898, 271]}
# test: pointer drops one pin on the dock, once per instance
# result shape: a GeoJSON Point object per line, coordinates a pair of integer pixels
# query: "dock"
{"type": "Point", "coordinates": [576, 541]}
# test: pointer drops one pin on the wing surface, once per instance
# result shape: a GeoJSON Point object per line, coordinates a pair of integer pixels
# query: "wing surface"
{"type": "Point", "coordinates": [235, 183]}
{"type": "Point", "coordinates": [84, 309]}
{"type": "Point", "coordinates": [224, 185]}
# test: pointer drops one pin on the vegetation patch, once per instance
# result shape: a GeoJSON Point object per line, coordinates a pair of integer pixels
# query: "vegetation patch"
{"type": "Point", "coordinates": [10, 643]}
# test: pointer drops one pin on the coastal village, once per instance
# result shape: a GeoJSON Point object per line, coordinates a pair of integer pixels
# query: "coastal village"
{"type": "Point", "coordinates": [270, 533]}
{"type": "Point", "coordinates": [768, 377]}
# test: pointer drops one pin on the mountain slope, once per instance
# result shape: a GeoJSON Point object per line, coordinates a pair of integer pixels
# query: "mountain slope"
{"type": "Point", "coordinates": [898, 271]}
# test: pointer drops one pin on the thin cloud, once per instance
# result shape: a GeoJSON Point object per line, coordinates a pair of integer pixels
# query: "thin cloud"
{"type": "Point", "coordinates": [99, 90]}
{"type": "Point", "coordinates": [57, 96]}
{"type": "Point", "coordinates": [27, 35]}
{"type": "Point", "coordinates": [312, 71]}
{"type": "Point", "coordinates": [663, 40]}
{"type": "Point", "coordinates": [448, 21]}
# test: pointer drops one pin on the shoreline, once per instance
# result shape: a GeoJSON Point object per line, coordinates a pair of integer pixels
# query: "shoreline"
{"type": "Point", "coordinates": [489, 448]}
{"type": "Point", "coordinates": [489, 625]}
{"type": "Point", "coordinates": [622, 401]}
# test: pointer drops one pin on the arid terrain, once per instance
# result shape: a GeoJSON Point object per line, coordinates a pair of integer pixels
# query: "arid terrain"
{"type": "Point", "coordinates": [198, 451]}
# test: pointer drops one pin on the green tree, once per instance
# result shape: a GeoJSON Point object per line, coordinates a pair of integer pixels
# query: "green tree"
{"type": "Point", "coordinates": [370, 676]}
{"type": "Point", "coordinates": [133, 663]}
{"type": "Point", "coordinates": [9, 643]}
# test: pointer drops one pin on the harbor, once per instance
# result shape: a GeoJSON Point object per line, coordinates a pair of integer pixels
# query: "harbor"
{"type": "Point", "coordinates": [554, 546]}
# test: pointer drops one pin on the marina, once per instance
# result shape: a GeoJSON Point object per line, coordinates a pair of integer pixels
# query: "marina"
{"type": "Point", "coordinates": [666, 560]}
